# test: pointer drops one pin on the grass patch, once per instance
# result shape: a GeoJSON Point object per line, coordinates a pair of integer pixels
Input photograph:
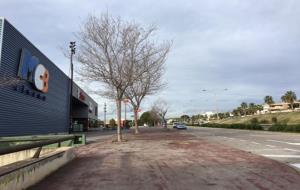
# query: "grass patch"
{"type": "Point", "coordinates": [290, 118]}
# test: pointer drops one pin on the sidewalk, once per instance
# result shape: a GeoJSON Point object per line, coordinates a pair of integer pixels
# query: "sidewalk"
{"type": "Point", "coordinates": [159, 159]}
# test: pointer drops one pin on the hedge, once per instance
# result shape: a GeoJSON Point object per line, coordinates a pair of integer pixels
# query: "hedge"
{"type": "Point", "coordinates": [276, 127]}
{"type": "Point", "coordinates": [233, 126]}
{"type": "Point", "coordinates": [285, 128]}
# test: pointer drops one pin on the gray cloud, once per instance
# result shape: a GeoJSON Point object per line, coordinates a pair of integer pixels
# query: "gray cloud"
{"type": "Point", "coordinates": [250, 47]}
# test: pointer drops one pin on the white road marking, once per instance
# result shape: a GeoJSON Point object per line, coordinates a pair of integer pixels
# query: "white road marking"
{"type": "Point", "coordinates": [277, 141]}
{"type": "Point", "coordinates": [272, 146]}
{"type": "Point", "coordinates": [294, 150]}
{"type": "Point", "coordinates": [294, 143]}
{"type": "Point", "coordinates": [281, 156]}
{"type": "Point", "coordinates": [290, 143]}
{"type": "Point", "coordinates": [265, 149]}
{"type": "Point", "coordinates": [256, 135]}
{"type": "Point", "coordinates": [296, 165]}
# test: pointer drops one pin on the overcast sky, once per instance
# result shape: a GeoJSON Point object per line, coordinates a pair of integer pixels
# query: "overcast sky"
{"type": "Point", "coordinates": [251, 48]}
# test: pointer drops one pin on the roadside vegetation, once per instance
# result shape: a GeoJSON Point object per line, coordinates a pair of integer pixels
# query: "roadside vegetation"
{"type": "Point", "coordinates": [270, 123]}
{"type": "Point", "coordinates": [252, 116]}
{"type": "Point", "coordinates": [233, 126]}
{"type": "Point", "coordinates": [288, 118]}
{"type": "Point", "coordinates": [280, 127]}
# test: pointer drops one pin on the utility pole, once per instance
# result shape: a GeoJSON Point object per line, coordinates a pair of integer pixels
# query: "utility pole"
{"type": "Point", "coordinates": [104, 115]}
{"type": "Point", "coordinates": [72, 48]}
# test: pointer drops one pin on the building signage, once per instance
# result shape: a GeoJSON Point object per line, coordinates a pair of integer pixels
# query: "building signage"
{"type": "Point", "coordinates": [81, 96]}
{"type": "Point", "coordinates": [31, 70]}
{"type": "Point", "coordinates": [91, 107]}
{"type": "Point", "coordinates": [29, 92]}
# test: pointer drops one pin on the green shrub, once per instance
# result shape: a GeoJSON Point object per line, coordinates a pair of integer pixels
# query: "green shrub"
{"type": "Point", "coordinates": [297, 128]}
{"type": "Point", "coordinates": [112, 123]}
{"type": "Point", "coordinates": [234, 126]}
{"type": "Point", "coordinates": [285, 128]}
{"type": "Point", "coordinates": [274, 120]}
{"type": "Point", "coordinates": [254, 120]}
{"type": "Point", "coordinates": [264, 121]}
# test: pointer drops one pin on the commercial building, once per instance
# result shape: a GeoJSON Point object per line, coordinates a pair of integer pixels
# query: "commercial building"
{"type": "Point", "coordinates": [85, 109]}
{"type": "Point", "coordinates": [34, 92]}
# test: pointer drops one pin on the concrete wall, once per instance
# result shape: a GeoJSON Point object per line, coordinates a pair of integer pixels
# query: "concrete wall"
{"type": "Point", "coordinates": [22, 155]}
{"type": "Point", "coordinates": [25, 174]}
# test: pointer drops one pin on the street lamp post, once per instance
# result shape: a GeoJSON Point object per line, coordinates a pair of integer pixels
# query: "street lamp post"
{"type": "Point", "coordinates": [72, 49]}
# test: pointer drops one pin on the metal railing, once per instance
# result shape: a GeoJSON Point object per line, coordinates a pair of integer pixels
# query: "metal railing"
{"type": "Point", "coordinates": [39, 145]}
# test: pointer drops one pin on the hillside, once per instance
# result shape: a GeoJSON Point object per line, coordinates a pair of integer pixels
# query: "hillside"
{"type": "Point", "coordinates": [289, 118]}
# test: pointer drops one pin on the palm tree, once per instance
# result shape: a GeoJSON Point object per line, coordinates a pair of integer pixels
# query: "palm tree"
{"type": "Point", "coordinates": [289, 97]}
{"type": "Point", "coordinates": [185, 118]}
{"type": "Point", "coordinates": [269, 100]}
{"type": "Point", "coordinates": [244, 107]}
{"type": "Point", "coordinates": [283, 98]}
{"type": "Point", "coordinates": [236, 112]}
{"type": "Point", "coordinates": [259, 108]}
{"type": "Point", "coordinates": [241, 111]}
{"type": "Point", "coordinates": [252, 108]}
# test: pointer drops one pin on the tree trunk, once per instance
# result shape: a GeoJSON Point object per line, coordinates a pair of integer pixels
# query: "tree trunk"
{"type": "Point", "coordinates": [119, 133]}
{"type": "Point", "coordinates": [136, 127]}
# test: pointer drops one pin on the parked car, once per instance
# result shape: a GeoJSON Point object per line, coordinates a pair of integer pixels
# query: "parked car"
{"type": "Point", "coordinates": [175, 124]}
{"type": "Point", "coordinates": [180, 126]}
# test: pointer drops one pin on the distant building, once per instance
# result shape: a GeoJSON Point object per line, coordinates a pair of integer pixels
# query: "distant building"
{"type": "Point", "coordinates": [208, 114]}
{"type": "Point", "coordinates": [279, 107]}
{"type": "Point", "coordinates": [266, 108]}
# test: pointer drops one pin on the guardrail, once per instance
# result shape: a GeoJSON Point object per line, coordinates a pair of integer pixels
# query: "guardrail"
{"type": "Point", "coordinates": [39, 145]}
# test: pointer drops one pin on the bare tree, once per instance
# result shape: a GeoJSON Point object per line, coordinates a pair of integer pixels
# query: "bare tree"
{"type": "Point", "coordinates": [109, 52]}
{"type": "Point", "coordinates": [149, 82]}
{"type": "Point", "coordinates": [160, 109]}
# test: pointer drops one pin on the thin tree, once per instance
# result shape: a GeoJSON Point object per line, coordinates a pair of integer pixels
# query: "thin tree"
{"type": "Point", "coordinates": [160, 109]}
{"type": "Point", "coordinates": [289, 97]}
{"type": "Point", "coordinates": [107, 54]}
{"type": "Point", "coordinates": [153, 58]}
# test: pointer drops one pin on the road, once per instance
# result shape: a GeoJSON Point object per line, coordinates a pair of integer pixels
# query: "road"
{"type": "Point", "coordinates": [284, 147]}
{"type": "Point", "coordinates": [165, 159]}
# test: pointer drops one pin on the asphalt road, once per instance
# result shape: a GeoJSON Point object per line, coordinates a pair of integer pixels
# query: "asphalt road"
{"type": "Point", "coordinates": [284, 147]}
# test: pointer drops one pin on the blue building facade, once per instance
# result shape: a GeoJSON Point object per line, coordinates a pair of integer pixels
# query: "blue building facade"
{"type": "Point", "coordinates": [38, 102]}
